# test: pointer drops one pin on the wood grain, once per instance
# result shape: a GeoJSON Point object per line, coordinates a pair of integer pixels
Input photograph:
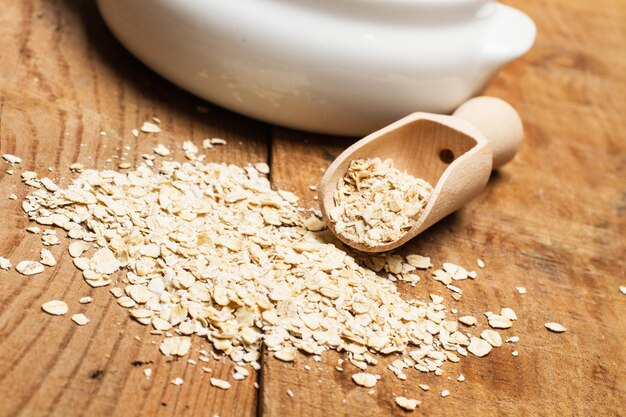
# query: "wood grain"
{"type": "Point", "coordinates": [553, 221]}
{"type": "Point", "coordinates": [63, 80]}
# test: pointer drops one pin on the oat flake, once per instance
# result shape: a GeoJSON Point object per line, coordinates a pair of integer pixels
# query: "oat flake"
{"type": "Point", "coordinates": [364, 379]}
{"type": "Point", "coordinates": [47, 258]}
{"type": "Point", "coordinates": [555, 327]}
{"type": "Point", "coordinates": [5, 263]}
{"type": "Point", "coordinates": [492, 337]}
{"type": "Point", "coordinates": [479, 347]}
{"type": "Point", "coordinates": [55, 307]}
{"type": "Point", "coordinates": [12, 159]}
{"type": "Point", "coordinates": [80, 319]}
{"type": "Point", "coordinates": [219, 383]}
{"type": "Point", "coordinates": [408, 404]}
{"type": "Point", "coordinates": [148, 127]}
{"type": "Point", "coordinates": [29, 268]}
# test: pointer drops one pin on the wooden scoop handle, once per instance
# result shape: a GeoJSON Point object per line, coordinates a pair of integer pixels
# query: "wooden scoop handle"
{"type": "Point", "coordinates": [499, 123]}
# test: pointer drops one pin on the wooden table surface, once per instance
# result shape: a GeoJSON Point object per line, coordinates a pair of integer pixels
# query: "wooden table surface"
{"type": "Point", "coordinates": [552, 221]}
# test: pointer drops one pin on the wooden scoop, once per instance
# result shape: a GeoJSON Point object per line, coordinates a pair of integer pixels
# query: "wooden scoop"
{"type": "Point", "coordinates": [455, 154]}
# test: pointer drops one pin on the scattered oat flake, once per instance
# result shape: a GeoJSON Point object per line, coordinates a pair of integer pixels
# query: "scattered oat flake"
{"type": "Point", "coordinates": [5, 263]}
{"type": "Point", "coordinates": [178, 381]}
{"type": "Point", "coordinates": [521, 290]}
{"type": "Point", "coordinates": [512, 339]}
{"type": "Point", "coordinates": [461, 378]}
{"type": "Point", "coordinates": [80, 319]}
{"type": "Point", "coordinates": [162, 150]}
{"type": "Point", "coordinates": [47, 258]}
{"type": "Point", "coordinates": [220, 383]}
{"type": "Point", "coordinates": [286, 354]}
{"type": "Point", "coordinates": [29, 268]}
{"type": "Point", "coordinates": [622, 289]}
{"type": "Point", "coordinates": [206, 144]}
{"type": "Point", "coordinates": [468, 320]}
{"type": "Point", "coordinates": [218, 141]}
{"type": "Point", "coordinates": [12, 197]}
{"type": "Point", "coordinates": [424, 387]}
{"type": "Point", "coordinates": [147, 372]}
{"type": "Point", "coordinates": [12, 159]}
{"type": "Point", "coordinates": [290, 393]}
{"type": "Point", "coordinates": [555, 327]}
{"type": "Point", "coordinates": [515, 353]}
{"type": "Point", "coordinates": [499, 322]}
{"type": "Point", "coordinates": [148, 127]}
{"type": "Point", "coordinates": [437, 299]}
{"type": "Point", "coordinates": [445, 393]}
{"type": "Point", "coordinates": [479, 347]}
{"type": "Point", "coordinates": [85, 300]}
{"type": "Point", "coordinates": [135, 132]}
{"type": "Point", "coordinates": [418, 261]}
{"type": "Point", "coordinates": [480, 263]}
{"type": "Point", "coordinates": [456, 272]}
{"type": "Point", "coordinates": [189, 148]}
{"type": "Point", "coordinates": [492, 337]}
{"type": "Point", "coordinates": [454, 289]}
{"type": "Point", "coordinates": [77, 167]}
{"type": "Point", "coordinates": [177, 346]}
{"type": "Point", "coordinates": [364, 379]}
{"type": "Point", "coordinates": [408, 404]}
{"type": "Point", "coordinates": [508, 313]}
{"type": "Point", "coordinates": [55, 307]}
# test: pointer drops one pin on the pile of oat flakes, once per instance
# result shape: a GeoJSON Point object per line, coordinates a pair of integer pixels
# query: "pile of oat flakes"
{"type": "Point", "coordinates": [211, 250]}
{"type": "Point", "coordinates": [375, 203]}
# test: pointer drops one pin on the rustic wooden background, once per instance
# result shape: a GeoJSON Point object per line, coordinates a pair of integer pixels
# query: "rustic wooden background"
{"type": "Point", "coordinates": [553, 221]}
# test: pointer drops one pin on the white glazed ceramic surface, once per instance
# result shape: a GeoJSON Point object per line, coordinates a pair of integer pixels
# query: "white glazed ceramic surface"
{"type": "Point", "coordinates": [344, 67]}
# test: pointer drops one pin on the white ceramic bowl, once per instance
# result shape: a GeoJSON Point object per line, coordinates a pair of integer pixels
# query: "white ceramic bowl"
{"type": "Point", "coordinates": [344, 67]}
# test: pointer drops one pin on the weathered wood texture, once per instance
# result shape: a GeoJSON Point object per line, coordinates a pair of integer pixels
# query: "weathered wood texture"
{"type": "Point", "coordinates": [63, 80]}
{"type": "Point", "coordinates": [552, 221]}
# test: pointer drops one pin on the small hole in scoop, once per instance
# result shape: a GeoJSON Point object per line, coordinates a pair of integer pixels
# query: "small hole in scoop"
{"type": "Point", "coordinates": [446, 156]}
